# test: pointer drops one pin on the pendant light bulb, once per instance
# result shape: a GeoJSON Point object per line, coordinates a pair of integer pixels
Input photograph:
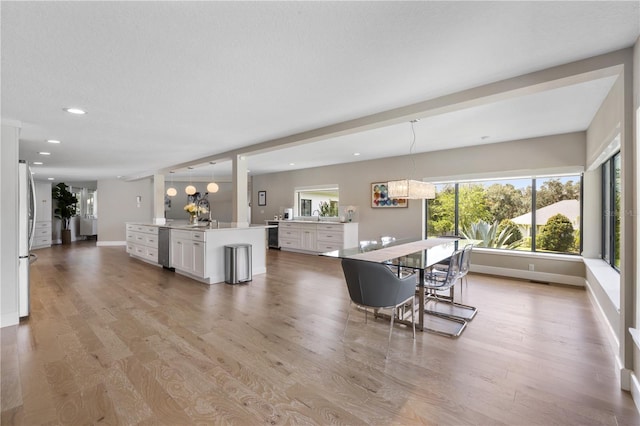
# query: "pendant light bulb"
{"type": "Point", "coordinates": [212, 187]}
{"type": "Point", "coordinates": [171, 191]}
{"type": "Point", "coordinates": [190, 189]}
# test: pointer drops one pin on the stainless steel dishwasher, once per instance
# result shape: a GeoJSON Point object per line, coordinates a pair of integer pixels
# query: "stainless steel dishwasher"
{"type": "Point", "coordinates": [164, 247]}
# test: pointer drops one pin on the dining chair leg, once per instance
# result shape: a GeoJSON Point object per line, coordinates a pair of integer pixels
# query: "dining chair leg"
{"type": "Point", "coordinates": [393, 315]}
{"type": "Point", "coordinates": [347, 322]}
{"type": "Point", "coordinates": [413, 312]}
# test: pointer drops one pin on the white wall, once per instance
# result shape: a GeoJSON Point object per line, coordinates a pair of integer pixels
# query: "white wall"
{"type": "Point", "coordinates": [635, 387]}
{"type": "Point", "coordinates": [9, 224]}
{"type": "Point", "coordinates": [118, 205]}
{"type": "Point", "coordinates": [354, 179]}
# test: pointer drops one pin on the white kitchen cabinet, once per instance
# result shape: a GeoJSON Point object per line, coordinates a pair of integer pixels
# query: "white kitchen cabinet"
{"type": "Point", "coordinates": [316, 237]}
{"type": "Point", "coordinates": [188, 252]}
{"type": "Point", "coordinates": [199, 259]}
{"type": "Point", "coordinates": [308, 238]}
{"type": "Point", "coordinates": [42, 232]}
{"type": "Point", "coordinates": [198, 254]}
{"type": "Point", "coordinates": [289, 235]}
{"type": "Point", "coordinates": [142, 242]}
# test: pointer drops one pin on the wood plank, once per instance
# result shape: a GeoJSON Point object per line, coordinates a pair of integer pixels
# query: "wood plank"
{"type": "Point", "coordinates": [112, 340]}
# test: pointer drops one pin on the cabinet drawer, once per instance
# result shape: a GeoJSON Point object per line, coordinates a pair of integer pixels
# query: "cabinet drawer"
{"type": "Point", "coordinates": [197, 235]}
{"type": "Point", "coordinates": [328, 246]}
{"type": "Point", "coordinates": [42, 233]}
{"type": "Point", "coordinates": [42, 241]}
{"type": "Point", "coordinates": [287, 225]}
{"type": "Point", "coordinates": [131, 227]}
{"type": "Point", "coordinates": [151, 254]}
{"type": "Point", "coordinates": [332, 227]}
{"type": "Point", "coordinates": [151, 241]}
{"type": "Point", "coordinates": [180, 235]}
{"type": "Point", "coordinates": [289, 243]}
{"type": "Point", "coordinates": [43, 225]}
{"type": "Point", "coordinates": [330, 236]}
{"type": "Point", "coordinates": [150, 230]}
{"type": "Point", "coordinates": [131, 236]}
{"type": "Point", "coordinates": [131, 248]}
{"type": "Point", "coordinates": [289, 233]}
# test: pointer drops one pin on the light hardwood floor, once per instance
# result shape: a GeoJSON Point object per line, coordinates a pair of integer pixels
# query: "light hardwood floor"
{"type": "Point", "coordinates": [112, 340]}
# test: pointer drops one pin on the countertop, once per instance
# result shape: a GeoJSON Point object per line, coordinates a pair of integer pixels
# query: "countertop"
{"type": "Point", "coordinates": [333, 222]}
{"type": "Point", "coordinates": [184, 225]}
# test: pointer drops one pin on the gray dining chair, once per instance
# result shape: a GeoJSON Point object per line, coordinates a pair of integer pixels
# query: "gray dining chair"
{"type": "Point", "coordinates": [373, 285]}
{"type": "Point", "coordinates": [444, 306]}
{"type": "Point", "coordinates": [465, 264]}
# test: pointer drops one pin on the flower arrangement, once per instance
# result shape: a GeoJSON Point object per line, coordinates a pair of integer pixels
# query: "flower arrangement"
{"type": "Point", "coordinates": [350, 211]}
{"type": "Point", "coordinates": [193, 209]}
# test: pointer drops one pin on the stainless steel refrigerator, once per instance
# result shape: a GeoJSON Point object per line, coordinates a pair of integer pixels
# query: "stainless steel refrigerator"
{"type": "Point", "coordinates": [26, 228]}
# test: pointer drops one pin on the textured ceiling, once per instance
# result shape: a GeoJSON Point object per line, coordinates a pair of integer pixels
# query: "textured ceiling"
{"type": "Point", "coordinates": [166, 83]}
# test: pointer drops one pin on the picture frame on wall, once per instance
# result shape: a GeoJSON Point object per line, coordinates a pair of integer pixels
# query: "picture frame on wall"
{"type": "Point", "coordinates": [262, 198]}
{"type": "Point", "coordinates": [380, 197]}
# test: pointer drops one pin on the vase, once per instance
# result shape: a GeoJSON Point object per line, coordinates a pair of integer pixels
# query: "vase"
{"type": "Point", "coordinates": [193, 219]}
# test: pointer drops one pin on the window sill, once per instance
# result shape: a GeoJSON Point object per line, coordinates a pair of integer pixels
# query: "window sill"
{"type": "Point", "coordinates": [607, 277]}
{"type": "Point", "coordinates": [530, 254]}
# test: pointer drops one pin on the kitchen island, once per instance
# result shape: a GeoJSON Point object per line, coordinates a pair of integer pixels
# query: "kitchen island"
{"type": "Point", "coordinates": [197, 251]}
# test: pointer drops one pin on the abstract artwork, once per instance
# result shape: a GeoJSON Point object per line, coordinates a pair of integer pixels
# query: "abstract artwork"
{"type": "Point", "coordinates": [380, 198]}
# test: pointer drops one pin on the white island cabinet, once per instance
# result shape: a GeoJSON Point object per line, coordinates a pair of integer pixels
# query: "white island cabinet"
{"type": "Point", "coordinates": [198, 252]}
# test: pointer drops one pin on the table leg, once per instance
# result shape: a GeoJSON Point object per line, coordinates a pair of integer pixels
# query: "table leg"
{"type": "Point", "coordinates": [421, 300]}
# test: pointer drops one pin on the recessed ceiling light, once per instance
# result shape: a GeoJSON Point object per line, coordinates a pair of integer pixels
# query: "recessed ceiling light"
{"type": "Point", "coordinates": [356, 153]}
{"type": "Point", "coordinates": [44, 153]}
{"type": "Point", "coordinates": [37, 163]}
{"type": "Point", "coordinates": [292, 164]}
{"type": "Point", "coordinates": [53, 141]}
{"type": "Point", "coordinates": [76, 111]}
{"type": "Point", "coordinates": [49, 178]}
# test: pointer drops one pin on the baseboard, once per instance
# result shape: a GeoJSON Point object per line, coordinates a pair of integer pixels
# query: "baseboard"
{"type": "Point", "coordinates": [612, 336]}
{"type": "Point", "coordinates": [529, 275]}
{"type": "Point", "coordinates": [110, 243]}
{"type": "Point", "coordinates": [635, 390]}
{"type": "Point", "coordinates": [7, 320]}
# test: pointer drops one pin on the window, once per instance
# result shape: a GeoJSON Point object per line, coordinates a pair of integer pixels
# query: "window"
{"type": "Point", "coordinates": [319, 201]}
{"type": "Point", "coordinates": [611, 192]}
{"type": "Point", "coordinates": [499, 213]}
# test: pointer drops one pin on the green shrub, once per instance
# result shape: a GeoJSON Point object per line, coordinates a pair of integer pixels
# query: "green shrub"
{"type": "Point", "coordinates": [512, 229]}
{"type": "Point", "coordinates": [557, 234]}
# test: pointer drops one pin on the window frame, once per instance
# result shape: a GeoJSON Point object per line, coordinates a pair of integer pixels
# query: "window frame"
{"type": "Point", "coordinates": [610, 212]}
{"type": "Point", "coordinates": [533, 249]}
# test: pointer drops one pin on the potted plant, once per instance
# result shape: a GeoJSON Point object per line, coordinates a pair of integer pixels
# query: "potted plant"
{"type": "Point", "coordinates": [65, 209]}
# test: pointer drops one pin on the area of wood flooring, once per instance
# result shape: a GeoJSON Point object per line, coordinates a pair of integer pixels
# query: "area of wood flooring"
{"type": "Point", "coordinates": [112, 340]}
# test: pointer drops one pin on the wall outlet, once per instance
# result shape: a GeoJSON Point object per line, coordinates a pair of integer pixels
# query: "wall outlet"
{"type": "Point", "coordinates": [531, 267]}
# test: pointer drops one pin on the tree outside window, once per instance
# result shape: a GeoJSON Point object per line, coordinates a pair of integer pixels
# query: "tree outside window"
{"type": "Point", "coordinates": [498, 212]}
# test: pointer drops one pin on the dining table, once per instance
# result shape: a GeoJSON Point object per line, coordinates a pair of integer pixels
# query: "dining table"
{"type": "Point", "coordinates": [407, 254]}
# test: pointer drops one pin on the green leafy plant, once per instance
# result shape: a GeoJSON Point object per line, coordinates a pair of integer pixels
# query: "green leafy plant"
{"type": "Point", "coordinates": [66, 207]}
{"type": "Point", "coordinates": [489, 235]}
{"type": "Point", "coordinates": [328, 208]}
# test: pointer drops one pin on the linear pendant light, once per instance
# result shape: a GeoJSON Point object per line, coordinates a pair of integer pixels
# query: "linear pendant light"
{"type": "Point", "coordinates": [212, 186]}
{"type": "Point", "coordinates": [409, 188]}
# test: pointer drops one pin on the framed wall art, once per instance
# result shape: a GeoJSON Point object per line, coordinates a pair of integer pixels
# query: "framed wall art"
{"type": "Point", "coordinates": [380, 198]}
